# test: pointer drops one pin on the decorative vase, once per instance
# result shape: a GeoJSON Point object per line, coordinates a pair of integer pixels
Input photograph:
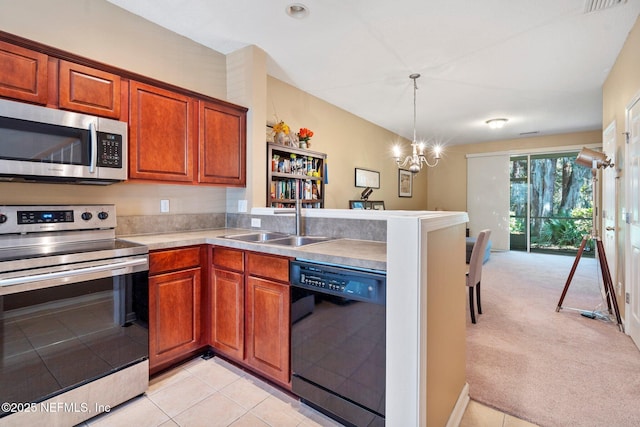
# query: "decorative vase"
{"type": "Point", "coordinates": [279, 138]}
{"type": "Point", "coordinates": [303, 144]}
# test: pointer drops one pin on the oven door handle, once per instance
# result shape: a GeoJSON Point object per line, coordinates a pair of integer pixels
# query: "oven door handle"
{"type": "Point", "coordinates": [72, 273]}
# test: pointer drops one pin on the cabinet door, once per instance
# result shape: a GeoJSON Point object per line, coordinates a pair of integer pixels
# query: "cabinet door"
{"type": "Point", "coordinates": [162, 134]}
{"type": "Point", "coordinates": [23, 74]}
{"type": "Point", "coordinates": [268, 336]}
{"type": "Point", "coordinates": [89, 90]}
{"type": "Point", "coordinates": [174, 315]}
{"type": "Point", "coordinates": [222, 144]}
{"type": "Point", "coordinates": [227, 313]}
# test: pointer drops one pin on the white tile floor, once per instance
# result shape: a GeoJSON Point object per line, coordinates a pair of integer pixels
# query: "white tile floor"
{"type": "Point", "coordinates": [211, 393]}
{"type": "Point", "coordinates": [215, 393]}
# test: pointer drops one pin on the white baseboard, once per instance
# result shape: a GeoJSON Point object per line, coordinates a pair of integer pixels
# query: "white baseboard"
{"type": "Point", "coordinates": [461, 405]}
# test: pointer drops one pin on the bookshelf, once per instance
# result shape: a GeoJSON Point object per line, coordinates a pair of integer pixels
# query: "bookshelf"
{"type": "Point", "coordinates": [294, 173]}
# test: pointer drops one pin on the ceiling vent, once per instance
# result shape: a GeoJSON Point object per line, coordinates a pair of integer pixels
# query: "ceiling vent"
{"type": "Point", "coordinates": [598, 5]}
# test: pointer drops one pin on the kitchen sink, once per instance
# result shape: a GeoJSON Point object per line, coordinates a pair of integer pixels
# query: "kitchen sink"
{"type": "Point", "coordinates": [261, 237]}
{"type": "Point", "coordinates": [298, 240]}
{"type": "Point", "coordinates": [275, 238]}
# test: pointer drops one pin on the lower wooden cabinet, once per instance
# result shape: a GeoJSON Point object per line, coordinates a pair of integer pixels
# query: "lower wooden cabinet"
{"type": "Point", "coordinates": [174, 306]}
{"type": "Point", "coordinates": [268, 337]}
{"type": "Point", "coordinates": [249, 311]}
{"type": "Point", "coordinates": [241, 310]}
{"type": "Point", "coordinates": [226, 308]}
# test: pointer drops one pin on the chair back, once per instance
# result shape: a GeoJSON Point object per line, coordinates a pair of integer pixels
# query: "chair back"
{"type": "Point", "coordinates": [477, 257]}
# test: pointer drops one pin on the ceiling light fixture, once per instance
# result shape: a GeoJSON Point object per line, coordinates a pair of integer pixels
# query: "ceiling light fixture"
{"type": "Point", "coordinates": [497, 123]}
{"type": "Point", "coordinates": [297, 10]}
{"type": "Point", "coordinates": [417, 159]}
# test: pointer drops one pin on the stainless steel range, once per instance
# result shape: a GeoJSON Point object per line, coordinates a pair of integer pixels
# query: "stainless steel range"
{"type": "Point", "coordinates": [73, 314]}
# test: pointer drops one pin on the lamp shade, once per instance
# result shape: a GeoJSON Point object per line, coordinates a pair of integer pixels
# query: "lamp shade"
{"type": "Point", "coordinates": [593, 159]}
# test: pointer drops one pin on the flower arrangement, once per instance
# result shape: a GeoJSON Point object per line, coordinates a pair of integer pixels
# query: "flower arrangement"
{"type": "Point", "coordinates": [304, 134]}
{"type": "Point", "coordinates": [281, 126]}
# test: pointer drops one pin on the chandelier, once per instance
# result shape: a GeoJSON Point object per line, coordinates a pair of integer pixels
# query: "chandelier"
{"type": "Point", "coordinates": [417, 159]}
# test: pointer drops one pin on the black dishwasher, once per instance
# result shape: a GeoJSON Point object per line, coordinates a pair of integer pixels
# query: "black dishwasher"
{"type": "Point", "coordinates": [338, 341]}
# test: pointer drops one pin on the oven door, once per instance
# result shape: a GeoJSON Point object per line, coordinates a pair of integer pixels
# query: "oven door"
{"type": "Point", "coordinates": [59, 331]}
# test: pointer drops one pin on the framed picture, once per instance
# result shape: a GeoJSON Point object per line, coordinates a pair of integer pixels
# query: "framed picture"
{"type": "Point", "coordinates": [367, 178]}
{"type": "Point", "coordinates": [270, 136]}
{"type": "Point", "coordinates": [405, 183]}
{"type": "Point", "coordinates": [377, 205]}
{"type": "Point", "coordinates": [356, 204]}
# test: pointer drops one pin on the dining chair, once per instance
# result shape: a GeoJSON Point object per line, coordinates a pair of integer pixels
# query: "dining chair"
{"type": "Point", "coordinates": [474, 275]}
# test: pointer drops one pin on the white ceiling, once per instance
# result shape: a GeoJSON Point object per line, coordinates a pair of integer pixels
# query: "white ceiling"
{"type": "Point", "coordinates": [539, 63]}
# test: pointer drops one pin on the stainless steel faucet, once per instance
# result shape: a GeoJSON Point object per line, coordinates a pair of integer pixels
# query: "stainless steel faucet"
{"type": "Point", "coordinates": [298, 214]}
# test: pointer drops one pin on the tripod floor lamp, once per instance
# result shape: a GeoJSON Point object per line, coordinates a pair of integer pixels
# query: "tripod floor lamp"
{"type": "Point", "coordinates": [595, 160]}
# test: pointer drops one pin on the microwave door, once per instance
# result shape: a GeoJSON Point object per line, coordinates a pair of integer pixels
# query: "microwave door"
{"type": "Point", "coordinates": [44, 149]}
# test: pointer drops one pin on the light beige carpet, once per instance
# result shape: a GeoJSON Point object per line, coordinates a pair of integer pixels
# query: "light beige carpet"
{"type": "Point", "coordinates": [552, 369]}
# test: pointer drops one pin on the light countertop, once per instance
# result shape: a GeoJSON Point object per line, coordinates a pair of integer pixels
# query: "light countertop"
{"type": "Point", "coordinates": [348, 252]}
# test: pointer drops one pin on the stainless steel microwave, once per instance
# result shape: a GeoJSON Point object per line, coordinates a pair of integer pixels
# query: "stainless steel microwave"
{"type": "Point", "coordinates": [44, 144]}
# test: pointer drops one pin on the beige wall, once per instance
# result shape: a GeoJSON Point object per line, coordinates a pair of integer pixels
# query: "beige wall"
{"type": "Point", "coordinates": [138, 46]}
{"type": "Point", "coordinates": [349, 142]}
{"type": "Point", "coordinates": [446, 323]}
{"type": "Point", "coordinates": [621, 86]}
{"type": "Point", "coordinates": [448, 181]}
{"type": "Point", "coordinates": [145, 48]}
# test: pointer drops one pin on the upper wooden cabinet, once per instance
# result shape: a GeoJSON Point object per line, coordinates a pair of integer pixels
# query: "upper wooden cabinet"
{"type": "Point", "coordinates": [23, 74]}
{"type": "Point", "coordinates": [165, 132]}
{"type": "Point", "coordinates": [175, 135]}
{"type": "Point", "coordinates": [89, 90]}
{"type": "Point", "coordinates": [222, 144]}
{"type": "Point", "coordinates": [162, 134]}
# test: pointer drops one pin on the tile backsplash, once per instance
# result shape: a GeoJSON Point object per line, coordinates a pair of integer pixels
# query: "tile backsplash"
{"type": "Point", "coordinates": [362, 229]}
{"type": "Point", "coordinates": [153, 224]}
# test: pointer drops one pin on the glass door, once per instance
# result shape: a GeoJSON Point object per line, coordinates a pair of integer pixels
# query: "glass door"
{"type": "Point", "coordinates": [519, 202]}
{"type": "Point", "coordinates": [551, 203]}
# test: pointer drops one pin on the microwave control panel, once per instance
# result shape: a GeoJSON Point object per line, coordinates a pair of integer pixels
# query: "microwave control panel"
{"type": "Point", "coordinates": [109, 150]}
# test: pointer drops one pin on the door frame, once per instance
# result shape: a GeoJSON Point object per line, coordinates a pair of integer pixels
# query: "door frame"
{"type": "Point", "coordinates": [609, 189]}
{"type": "Point", "coordinates": [628, 289]}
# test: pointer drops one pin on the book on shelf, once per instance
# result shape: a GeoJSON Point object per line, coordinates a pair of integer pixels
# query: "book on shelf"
{"type": "Point", "coordinates": [292, 188]}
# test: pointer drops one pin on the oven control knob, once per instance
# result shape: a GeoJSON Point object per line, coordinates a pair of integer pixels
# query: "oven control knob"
{"type": "Point", "coordinates": [3, 218]}
{"type": "Point", "coordinates": [103, 215]}
{"type": "Point", "coordinates": [86, 216]}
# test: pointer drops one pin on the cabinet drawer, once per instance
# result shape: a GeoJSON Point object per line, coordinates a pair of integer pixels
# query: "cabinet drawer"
{"type": "Point", "coordinates": [228, 258]}
{"type": "Point", "coordinates": [174, 259]}
{"type": "Point", "coordinates": [269, 266]}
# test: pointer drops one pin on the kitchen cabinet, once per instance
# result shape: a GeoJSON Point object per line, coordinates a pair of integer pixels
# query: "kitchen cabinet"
{"type": "Point", "coordinates": [268, 316]}
{"type": "Point", "coordinates": [249, 311]}
{"type": "Point", "coordinates": [293, 174]}
{"type": "Point", "coordinates": [178, 138]}
{"type": "Point", "coordinates": [174, 305]}
{"type": "Point", "coordinates": [222, 144]}
{"type": "Point", "coordinates": [175, 135]}
{"type": "Point", "coordinates": [162, 138]}
{"type": "Point", "coordinates": [88, 90]}
{"type": "Point", "coordinates": [226, 309]}
{"type": "Point", "coordinates": [23, 74]}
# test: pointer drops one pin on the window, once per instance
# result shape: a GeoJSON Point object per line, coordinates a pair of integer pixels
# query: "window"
{"type": "Point", "coordinates": [551, 203]}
